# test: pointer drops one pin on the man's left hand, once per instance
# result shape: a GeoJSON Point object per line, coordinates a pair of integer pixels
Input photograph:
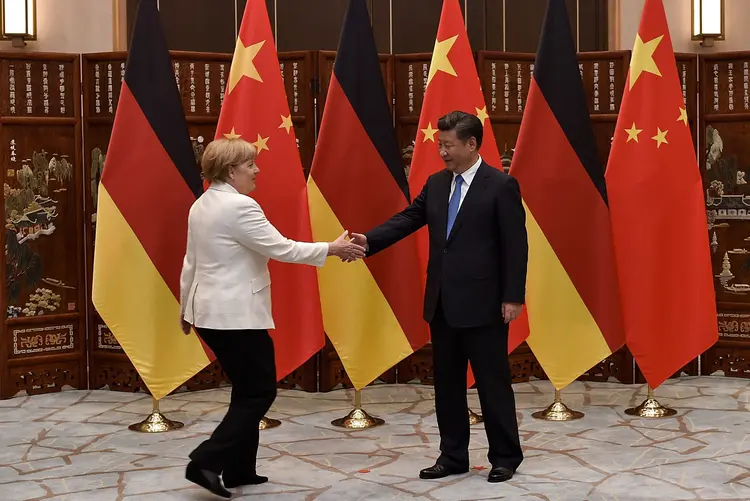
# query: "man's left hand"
{"type": "Point", "coordinates": [511, 311]}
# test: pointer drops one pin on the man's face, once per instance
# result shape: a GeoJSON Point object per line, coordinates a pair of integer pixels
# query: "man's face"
{"type": "Point", "coordinates": [455, 153]}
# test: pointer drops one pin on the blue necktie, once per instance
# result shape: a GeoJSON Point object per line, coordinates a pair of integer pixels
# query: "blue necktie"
{"type": "Point", "coordinates": [453, 205]}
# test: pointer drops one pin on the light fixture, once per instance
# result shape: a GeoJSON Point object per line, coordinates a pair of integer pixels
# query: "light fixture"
{"type": "Point", "coordinates": [708, 21]}
{"type": "Point", "coordinates": [18, 21]}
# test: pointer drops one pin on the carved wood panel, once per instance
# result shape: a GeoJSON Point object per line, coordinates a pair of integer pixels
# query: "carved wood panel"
{"type": "Point", "coordinates": [410, 72]}
{"type": "Point", "coordinates": [298, 71]}
{"type": "Point", "coordinates": [724, 160]}
{"type": "Point", "coordinates": [42, 339]}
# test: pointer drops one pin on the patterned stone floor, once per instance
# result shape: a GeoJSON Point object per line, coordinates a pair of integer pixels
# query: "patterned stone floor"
{"type": "Point", "coordinates": [75, 446]}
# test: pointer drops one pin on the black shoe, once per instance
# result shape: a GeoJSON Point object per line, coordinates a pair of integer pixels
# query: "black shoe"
{"type": "Point", "coordinates": [206, 479]}
{"type": "Point", "coordinates": [499, 474]}
{"type": "Point", "coordinates": [440, 471]}
{"type": "Point", "coordinates": [235, 480]}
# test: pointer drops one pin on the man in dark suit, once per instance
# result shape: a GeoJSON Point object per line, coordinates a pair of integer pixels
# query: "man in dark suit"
{"type": "Point", "coordinates": [476, 277]}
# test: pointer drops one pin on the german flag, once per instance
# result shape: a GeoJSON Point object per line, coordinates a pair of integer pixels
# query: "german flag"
{"type": "Point", "coordinates": [371, 309]}
{"type": "Point", "coordinates": [149, 182]}
{"type": "Point", "coordinates": [573, 304]}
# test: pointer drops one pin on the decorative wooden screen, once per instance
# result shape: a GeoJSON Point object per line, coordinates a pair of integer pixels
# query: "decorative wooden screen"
{"type": "Point", "coordinates": [42, 335]}
{"type": "Point", "coordinates": [724, 160]}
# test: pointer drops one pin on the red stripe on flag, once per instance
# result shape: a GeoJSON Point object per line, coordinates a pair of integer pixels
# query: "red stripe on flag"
{"type": "Point", "coordinates": [148, 189]}
{"type": "Point", "coordinates": [552, 178]}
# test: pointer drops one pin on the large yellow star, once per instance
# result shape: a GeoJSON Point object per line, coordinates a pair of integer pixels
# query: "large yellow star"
{"type": "Point", "coordinates": [643, 58]}
{"type": "Point", "coordinates": [429, 133]}
{"type": "Point", "coordinates": [260, 144]}
{"type": "Point", "coordinates": [286, 123]}
{"type": "Point", "coordinates": [232, 135]}
{"type": "Point", "coordinates": [482, 114]}
{"type": "Point", "coordinates": [440, 60]}
{"type": "Point", "coordinates": [683, 115]}
{"type": "Point", "coordinates": [633, 133]}
{"type": "Point", "coordinates": [243, 63]}
{"type": "Point", "coordinates": [660, 137]}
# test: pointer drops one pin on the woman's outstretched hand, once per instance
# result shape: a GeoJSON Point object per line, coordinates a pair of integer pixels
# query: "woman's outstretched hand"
{"type": "Point", "coordinates": [345, 249]}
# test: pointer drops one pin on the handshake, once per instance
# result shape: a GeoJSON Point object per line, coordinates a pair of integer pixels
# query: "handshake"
{"type": "Point", "coordinates": [348, 250]}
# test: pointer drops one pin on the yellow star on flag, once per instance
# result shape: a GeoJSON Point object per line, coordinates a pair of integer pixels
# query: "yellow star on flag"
{"type": "Point", "coordinates": [429, 133]}
{"type": "Point", "coordinates": [286, 123]}
{"type": "Point", "coordinates": [260, 144]}
{"type": "Point", "coordinates": [440, 60]}
{"type": "Point", "coordinates": [243, 63]}
{"type": "Point", "coordinates": [633, 133]}
{"type": "Point", "coordinates": [482, 114]}
{"type": "Point", "coordinates": [683, 115]}
{"type": "Point", "coordinates": [232, 135]}
{"type": "Point", "coordinates": [660, 137]}
{"type": "Point", "coordinates": [643, 58]}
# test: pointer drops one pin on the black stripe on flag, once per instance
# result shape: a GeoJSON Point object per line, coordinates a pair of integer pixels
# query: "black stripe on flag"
{"type": "Point", "coordinates": [357, 69]}
{"type": "Point", "coordinates": [151, 80]}
{"type": "Point", "coordinates": [557, 76]}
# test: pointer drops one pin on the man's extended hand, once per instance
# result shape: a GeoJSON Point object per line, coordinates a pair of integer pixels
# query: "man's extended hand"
{"type": "Point", "coordinates": [360, 240]}
{"type": "Point", "coordinates": [346, 250]}
{"type": "Point", "coordinates": [511, 311]}
{"type": "Point", "coordinates": [185, 326]}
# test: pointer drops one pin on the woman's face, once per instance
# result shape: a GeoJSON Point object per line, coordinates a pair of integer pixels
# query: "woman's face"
{"type": "Point", "coordinates": [242, 177]}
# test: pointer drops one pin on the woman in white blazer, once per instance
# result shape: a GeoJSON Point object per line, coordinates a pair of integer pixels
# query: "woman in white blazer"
{"type": "Point", "coordinates": [225, 296]}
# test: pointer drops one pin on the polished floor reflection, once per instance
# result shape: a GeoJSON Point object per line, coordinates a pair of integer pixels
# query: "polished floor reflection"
{"type": "Point", "coordinates": [75, 446]}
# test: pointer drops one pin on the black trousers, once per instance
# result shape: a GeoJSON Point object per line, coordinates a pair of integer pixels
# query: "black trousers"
{"type": "Point", "coordinates": [247, 357]}
{"type": "Point", "coordinates": [487, 349]}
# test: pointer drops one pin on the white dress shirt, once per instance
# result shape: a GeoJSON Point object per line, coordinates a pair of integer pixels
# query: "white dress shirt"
{"type": "Point", "coordinates": [468, 177]}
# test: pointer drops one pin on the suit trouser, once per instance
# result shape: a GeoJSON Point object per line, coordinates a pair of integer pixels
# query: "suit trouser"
{"type": "Point", "coordinates": [487, 349]}
{"type": "Point", "coordinates": [247, 357]}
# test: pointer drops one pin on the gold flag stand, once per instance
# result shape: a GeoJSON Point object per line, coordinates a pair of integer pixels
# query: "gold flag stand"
{"type": "Point", "coordinates": [358, 419]}
{"type": "Point", "coordinates": [651, 408]}
{"type": "Point", "coordinates": [156, 422]}
{"type": "Point", "coordinates": [474, 418]}
{"type": "Point", "coordinates": [267, 423]}
{"type": "Point", "coordinates": [557, 411]}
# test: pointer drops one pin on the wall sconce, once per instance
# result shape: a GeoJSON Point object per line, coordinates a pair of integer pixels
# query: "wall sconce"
{"type": "Point", "coordinates": [18, 21]}
{"type": "Point", "coordinates": [708, 21]}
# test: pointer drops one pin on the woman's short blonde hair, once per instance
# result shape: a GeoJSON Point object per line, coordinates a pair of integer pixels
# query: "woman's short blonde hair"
{"type": "Point", "coordinates": [222, 154]}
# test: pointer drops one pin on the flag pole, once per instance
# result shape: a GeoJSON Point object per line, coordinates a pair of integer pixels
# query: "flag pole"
{"type": "Point", "coordinates": [558, 411]}
{"type": "Point", "coordinates": [651, 408]}
{"type": "Point", "coordinates": [156, 422]}
{"type": "Point", "coordinates": [358, 419]}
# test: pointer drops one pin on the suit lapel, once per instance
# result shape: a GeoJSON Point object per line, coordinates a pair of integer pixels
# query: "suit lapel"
{"type": "Point", "coordinates": [443, 191]}
{"type": "Point", "coordinates": [475, 190]}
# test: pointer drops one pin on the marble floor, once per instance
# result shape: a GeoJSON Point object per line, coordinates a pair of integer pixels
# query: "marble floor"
{"type": "Point", "coordinates": [75, 446]}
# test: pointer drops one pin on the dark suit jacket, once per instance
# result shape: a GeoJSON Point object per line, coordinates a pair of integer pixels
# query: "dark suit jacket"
{"type": "Point", "coordinates": [483, 262]}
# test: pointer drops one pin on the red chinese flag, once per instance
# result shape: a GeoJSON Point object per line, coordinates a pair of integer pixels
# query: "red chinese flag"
{"type": "Point", "coordinates": [658, 212]}
{"type": "Point", "coordinates": [452, 84]}
{"type": "Point", "coordinates": [256, 109]}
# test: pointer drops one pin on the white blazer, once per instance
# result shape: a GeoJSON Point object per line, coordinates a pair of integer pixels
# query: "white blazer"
{"type": "Point", "coordinates": [225, 282]}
